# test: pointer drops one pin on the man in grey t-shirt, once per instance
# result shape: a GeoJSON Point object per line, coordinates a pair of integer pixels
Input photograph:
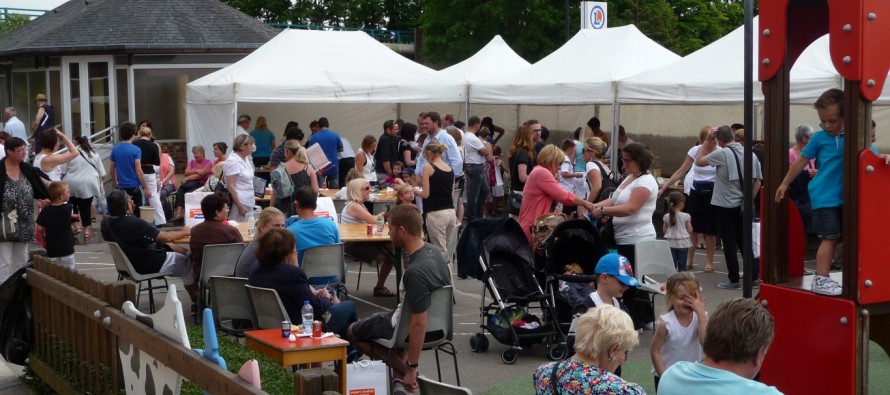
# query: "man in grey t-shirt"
{"type": "Point", "coordinates": [727, 198]}
{"type": "Point", "coordinates": [426, 273]}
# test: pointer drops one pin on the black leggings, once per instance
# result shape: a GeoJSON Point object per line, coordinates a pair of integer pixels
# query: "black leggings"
{"type": "Point", "coordinates": [186, 187]}
{"type": "Point", "coordinates": [83, 206]}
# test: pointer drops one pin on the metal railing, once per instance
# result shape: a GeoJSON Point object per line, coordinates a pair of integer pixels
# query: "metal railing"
{"type": "Point", "coordinates": [382, 35]}
{"type": "Point", "coordinates": [5, 12]}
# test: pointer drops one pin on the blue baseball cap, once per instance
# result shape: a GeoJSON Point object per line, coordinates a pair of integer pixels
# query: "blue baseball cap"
{"type": "Point", "coordinates": [619, 267]}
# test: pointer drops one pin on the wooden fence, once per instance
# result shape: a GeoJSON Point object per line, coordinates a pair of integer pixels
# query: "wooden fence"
{"type": "Point", "coordinates": [77, 323]}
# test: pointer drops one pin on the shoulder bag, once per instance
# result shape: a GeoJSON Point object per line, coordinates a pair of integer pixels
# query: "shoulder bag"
{"type": "Point", "coordinates": [514, 202]}
{"type": "Point", "coordinates": [9, 229]}
{"type": "Point", "coordinates": [543, 227]}
{"type": "Point", "coordinates": [221, 185]}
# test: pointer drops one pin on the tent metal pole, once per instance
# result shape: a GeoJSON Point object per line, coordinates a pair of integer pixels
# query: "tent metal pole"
{"type": "Point", "coordinates": [467, 109]}
{"type": "Point", "coordinates": [616, 123]}
{"type": "Point", "coordinates": [747, 190]}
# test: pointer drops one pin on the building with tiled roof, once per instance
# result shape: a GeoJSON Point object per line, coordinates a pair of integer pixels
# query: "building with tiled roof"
{"type": "Point", "coordinates": [103, 62]}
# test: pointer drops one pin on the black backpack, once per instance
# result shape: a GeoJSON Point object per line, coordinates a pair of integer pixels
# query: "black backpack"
{"type": "Point", "coordinates": [608, 185]}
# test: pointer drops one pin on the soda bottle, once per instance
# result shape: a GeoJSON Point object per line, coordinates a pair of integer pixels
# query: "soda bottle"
{"type": "Point", "coordinates": [380, 224]}
{"type": "Point", "coordinates": [308, 317]}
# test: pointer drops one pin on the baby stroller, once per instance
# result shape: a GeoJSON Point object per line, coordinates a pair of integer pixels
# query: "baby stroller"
{"type": "Point", "coordinates": [507, 273]}
{"type": "Point", "coordinates": [574, 241]}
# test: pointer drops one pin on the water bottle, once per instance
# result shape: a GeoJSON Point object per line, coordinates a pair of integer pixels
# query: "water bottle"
{"type": "Point", "coordinates": [380, 224]}
{"type": "Point", "coordinates": [308, 317]}
{"type": "Point", "coordinates": [251, 224]}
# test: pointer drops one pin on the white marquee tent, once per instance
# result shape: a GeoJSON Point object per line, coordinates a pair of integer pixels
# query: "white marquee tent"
{"type": "Point", "coordinates": [494, 59]}
{"type": "Point", "coordinates": [582, 71]}
{"type": "Point", "coordinates": [299, 74]}
{"type": "Point", "coordinates": [707, 87]}
{"type": "Point", "coordinates": [715, 74]}
{"type": "Point", "coordinates": [576, 81]}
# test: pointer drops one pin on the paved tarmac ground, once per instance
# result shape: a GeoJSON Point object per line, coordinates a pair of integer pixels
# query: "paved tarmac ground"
{"type": "Point", "coordinates": [478, 371]}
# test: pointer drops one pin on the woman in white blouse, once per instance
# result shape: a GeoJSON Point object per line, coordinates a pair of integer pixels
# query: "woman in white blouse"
{"type": "Point", "coordinates": [238, 176]}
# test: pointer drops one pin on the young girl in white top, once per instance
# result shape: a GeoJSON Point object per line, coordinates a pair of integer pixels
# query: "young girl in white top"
{"type": "Point", "coordinates": [677, 227]}
{"type": "Point", "coordinates": [680, 332]}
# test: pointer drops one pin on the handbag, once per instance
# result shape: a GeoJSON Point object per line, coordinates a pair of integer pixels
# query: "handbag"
{"type": "Point", "coordinates": [9, 225]}
{"type": "Point", "coordinates": [367, 378]}
{"type": "Point", "coordinates": [514, 202]}
{"type": "Point", "coordinates": [221, 185]}
{"type": "Point", "coordinates": [543, 227]}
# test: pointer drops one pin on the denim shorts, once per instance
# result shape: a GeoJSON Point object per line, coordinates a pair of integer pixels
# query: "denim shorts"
{"type": "Point", "coordinates": [828, 222]}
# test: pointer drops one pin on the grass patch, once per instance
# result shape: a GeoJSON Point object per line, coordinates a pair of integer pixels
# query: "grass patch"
{"type": "Point", "coordinates": [275, 379]}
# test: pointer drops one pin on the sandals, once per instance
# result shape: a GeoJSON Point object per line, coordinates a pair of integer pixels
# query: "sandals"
{"type": "Point", "coordinates": [87, 234]}
{"type": "Point", "coordinates": [383, 292]}
{"type": "Point", "coordinates": [709, 269]}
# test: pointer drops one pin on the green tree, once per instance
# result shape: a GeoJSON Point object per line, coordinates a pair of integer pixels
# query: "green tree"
{"type": "Point", "coordinates": [402, 14]}
{"type": "Point", "coordinates": [365, 13]}
{"type": "Point", "coordinates": [12, 22]}
{"type": "Point", "coordinates": [454, 30]}
{"type": "Point", "coordinates": [266, 10]}
{"type": "Point", "coordinates": [655, 18]}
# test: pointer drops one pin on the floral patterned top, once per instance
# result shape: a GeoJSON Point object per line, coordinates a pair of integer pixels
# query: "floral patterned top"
{"type": "Point", "coordinates": [19, 195]}
{"type": "Point", "coordinates": [574, 376]}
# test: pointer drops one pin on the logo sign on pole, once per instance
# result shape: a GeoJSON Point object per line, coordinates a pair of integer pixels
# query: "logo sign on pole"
{"type": "Point", "coordinates": [594, 15]}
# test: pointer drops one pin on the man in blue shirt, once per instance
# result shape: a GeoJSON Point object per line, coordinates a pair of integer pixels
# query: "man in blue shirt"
{"type": "Point", "coordinates": [330, 143]}
{"type": "Point", "coordinates": [311, 230]}
{"type": "Point", "coordinates": [431, 123]}
{"type": "Point", "coordinates": [738, 335]}
{"type": "Point", "coordinates": [126, 166]}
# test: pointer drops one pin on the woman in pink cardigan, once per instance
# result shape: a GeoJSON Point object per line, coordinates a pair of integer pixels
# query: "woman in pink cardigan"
{"type": "Point", "coordinates": [542, 188]}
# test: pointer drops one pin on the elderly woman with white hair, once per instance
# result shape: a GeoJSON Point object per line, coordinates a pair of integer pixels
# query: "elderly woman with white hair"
{"type": "Point", "coordinates": [604, 337]}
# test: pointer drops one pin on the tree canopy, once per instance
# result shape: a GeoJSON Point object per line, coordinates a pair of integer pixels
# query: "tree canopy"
{"type": "Point", "coordinates": [12, 22]}
{"type": "Point", "coordinates": [453, 30]}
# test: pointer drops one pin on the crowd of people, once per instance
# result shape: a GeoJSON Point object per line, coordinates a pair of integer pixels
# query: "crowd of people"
{"type": "Point", "coordinates": [445, 174]}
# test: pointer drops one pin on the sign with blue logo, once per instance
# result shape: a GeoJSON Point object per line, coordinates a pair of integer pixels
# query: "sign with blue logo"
{"type": "Point", "coordinates": [594, 15]}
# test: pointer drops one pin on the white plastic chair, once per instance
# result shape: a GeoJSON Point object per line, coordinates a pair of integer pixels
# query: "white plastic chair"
{"type": "Point", "coordinates": [653, 258]}
{"type": "Point", "coordinates": [326, 262]}
{"type": "Point", "coordinates": [233, 312]}
{"type": "Point", "coordinates": [432, 387]}
{"type": "Point", "coordinates": [439, 328]}
{"type": "Point", "coordinates": [218, 260]}
{"type": "Point", "coordinates": [268, 311]}
{"type": "Point", "coordinates": [125, 269]}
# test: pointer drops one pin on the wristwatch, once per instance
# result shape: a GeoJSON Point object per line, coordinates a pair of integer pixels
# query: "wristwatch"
{"type": "Point", "coordinates": [410, 365]}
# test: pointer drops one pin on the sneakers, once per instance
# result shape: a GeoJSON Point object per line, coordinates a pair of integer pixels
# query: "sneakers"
{"type": "Point", "coordinates": [732, 285]}
{"type": "Point", "coordinates": [729, 285]}
{"type": "Point", "coordinates": [398, 388]}
{"type": "Point", "coordinates": [649, 326]}
{"type": "Point", "coordinates": [826, 286]}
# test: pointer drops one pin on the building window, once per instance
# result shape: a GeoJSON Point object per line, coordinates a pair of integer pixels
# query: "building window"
{"type": "Point", "coordinates": [25, 86]}
{"type": "Point", "coordinates": [160, 97]}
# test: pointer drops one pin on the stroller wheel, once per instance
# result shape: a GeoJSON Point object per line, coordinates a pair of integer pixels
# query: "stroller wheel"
{"type": "Point", "coordinates": [509, 355]}
{"type": "Point", "coordinates": [556, 352]}
{"type": "Point", "coordinates": [479, 343]}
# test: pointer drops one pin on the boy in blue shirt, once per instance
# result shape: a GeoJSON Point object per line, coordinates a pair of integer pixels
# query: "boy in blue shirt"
{"type": "Point", "coordinates": [826, 188]}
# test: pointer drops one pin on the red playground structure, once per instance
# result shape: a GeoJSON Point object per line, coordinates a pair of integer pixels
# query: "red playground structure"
{"type": "Point", "coordinates": [821, 342]}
